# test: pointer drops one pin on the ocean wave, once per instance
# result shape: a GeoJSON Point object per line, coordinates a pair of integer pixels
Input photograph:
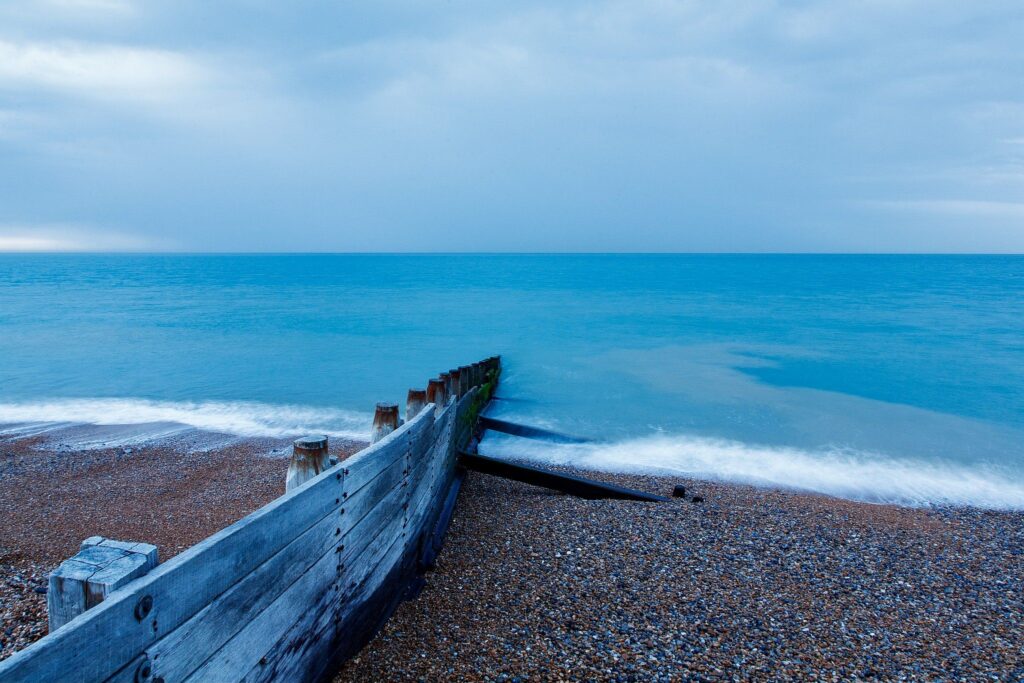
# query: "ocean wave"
{"type": "Point", "coordinates": [238, 418]}
{"type": "Point", "coordinates": [844, 473]}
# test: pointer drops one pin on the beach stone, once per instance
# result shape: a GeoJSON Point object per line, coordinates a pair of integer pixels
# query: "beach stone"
{"type": "Point", "coordinates": [679, 491]}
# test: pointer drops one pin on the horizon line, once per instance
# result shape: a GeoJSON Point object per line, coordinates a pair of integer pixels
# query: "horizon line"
{"type": "Point", "coordinates": [79, 252]}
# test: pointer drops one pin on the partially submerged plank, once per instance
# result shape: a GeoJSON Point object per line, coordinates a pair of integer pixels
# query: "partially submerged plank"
{"type": "Point", "coordinates": [567, 483]}
{"type": "Point", "coordinates": [527, 431]}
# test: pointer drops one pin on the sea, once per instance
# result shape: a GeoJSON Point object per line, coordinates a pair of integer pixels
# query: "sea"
{"type": "Point", "coordinates": [887, 379]}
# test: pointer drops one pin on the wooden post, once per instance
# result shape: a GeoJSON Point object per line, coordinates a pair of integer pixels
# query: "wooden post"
{"type": "Point", "coordinates": [414, 403]}
{"type": "Point", "coordinates": [100, 567]}
{"type": "Point", "coordinates": [309, 458]}
{"type": "Point", "coordinates": [478, 374]}
{"type": "Point", "coordinates": [456, 377]}
{"type": "Point", "coordinates": [437, 395]}
{"type": "Point", "coordinates": [385, 421]}
{"type": "Point", "coordinates": [464, 385]}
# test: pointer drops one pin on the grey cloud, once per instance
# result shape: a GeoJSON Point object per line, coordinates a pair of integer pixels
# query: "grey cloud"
{"type": "Point", "coordinates": [734, 125]}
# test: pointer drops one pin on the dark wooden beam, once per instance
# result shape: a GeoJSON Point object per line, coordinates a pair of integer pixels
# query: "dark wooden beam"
{"type": "Point", "coordinates": [527, 431]}
{"type": "Point", "coordinates": [567, 483]}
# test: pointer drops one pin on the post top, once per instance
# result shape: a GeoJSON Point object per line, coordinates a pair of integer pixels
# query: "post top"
{"type": "Point", "coordinates": [312, 441]}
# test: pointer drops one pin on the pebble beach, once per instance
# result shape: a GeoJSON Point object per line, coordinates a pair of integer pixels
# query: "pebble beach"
{"type": "Point", "coordinates": [747, 584]}
{"type": "Point", "coordinates": [729, 583]}
{"type": "Point", "coordinates": [171, 495]}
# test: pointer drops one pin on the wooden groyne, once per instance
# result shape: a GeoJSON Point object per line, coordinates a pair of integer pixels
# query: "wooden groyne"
{"type": "Point", "coordinates": [293, 589]}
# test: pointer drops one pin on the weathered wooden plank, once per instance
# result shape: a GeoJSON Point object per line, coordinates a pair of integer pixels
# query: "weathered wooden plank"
{"type": "Point", "coordinates": [321, 641]}
{"type": "Point", "coordinates": [369, 462]}
{"type": "Point", "coordinates": [334, 631]}
{"type": "Point", "coordinates": [463, 424]}
{"type": "Point", "coordinates": [363, 513]}
{"type": "Point", "coordinates": [243, 650]}
{"type": "Point", "coordinates": [429, 447]}
{"type": "Point", "coordinates": [324, 580]}
{"type": "Point", "coordinates": [192, 643]}
{"type": "Point", "coordinates": [436, 532]}
{"type": "Point", "coordinates": [418, 509]}
{"type": "Point", "coordinates": [185, 649]}
{"type": "Point", "coordinates": [110, 635]}
{"type": "Point", "coordinates": [356, 505]}
{"type": "Point", "coordinates": [422, 495]}
{"type": "Point", "coordinates": [437, 469]}
{"type": "Point", "coordinates": [309, 648]}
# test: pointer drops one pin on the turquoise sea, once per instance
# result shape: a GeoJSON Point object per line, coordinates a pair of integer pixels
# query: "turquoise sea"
{"type": "Point", "coordinates": [882, 378]}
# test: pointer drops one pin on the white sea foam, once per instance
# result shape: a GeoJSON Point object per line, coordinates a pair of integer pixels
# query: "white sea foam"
{"type": "Point", "coordinates": [166, 418]}
{"type": "Point", "coordinates": [846, 474]}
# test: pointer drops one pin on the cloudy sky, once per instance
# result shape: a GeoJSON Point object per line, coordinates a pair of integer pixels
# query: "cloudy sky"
{"type": "Point", "coordinates": [718, 125]}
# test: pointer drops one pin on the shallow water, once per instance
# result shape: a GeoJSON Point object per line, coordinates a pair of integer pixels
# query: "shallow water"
{"type": "Point", "coordinates": [890, 378]}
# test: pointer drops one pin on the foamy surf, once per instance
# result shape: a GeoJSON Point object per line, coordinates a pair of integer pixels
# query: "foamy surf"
{"type": "Point", "coordinates": [867, 477]}
{"type": "Point", "coordinates": [140, 420]}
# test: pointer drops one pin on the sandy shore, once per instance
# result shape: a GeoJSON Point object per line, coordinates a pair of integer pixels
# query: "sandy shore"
{"type": "Point", "coordinates": [170, 495]}
{"type": "Point", "coordinates": [747, 585]}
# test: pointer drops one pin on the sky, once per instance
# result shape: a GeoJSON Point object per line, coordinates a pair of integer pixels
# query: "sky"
{"type": "Point", "coordinates": [721, 126]}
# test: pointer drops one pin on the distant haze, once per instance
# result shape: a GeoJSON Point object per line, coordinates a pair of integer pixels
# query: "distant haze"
{"type": "Point", "coordinates": [726, 125]}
